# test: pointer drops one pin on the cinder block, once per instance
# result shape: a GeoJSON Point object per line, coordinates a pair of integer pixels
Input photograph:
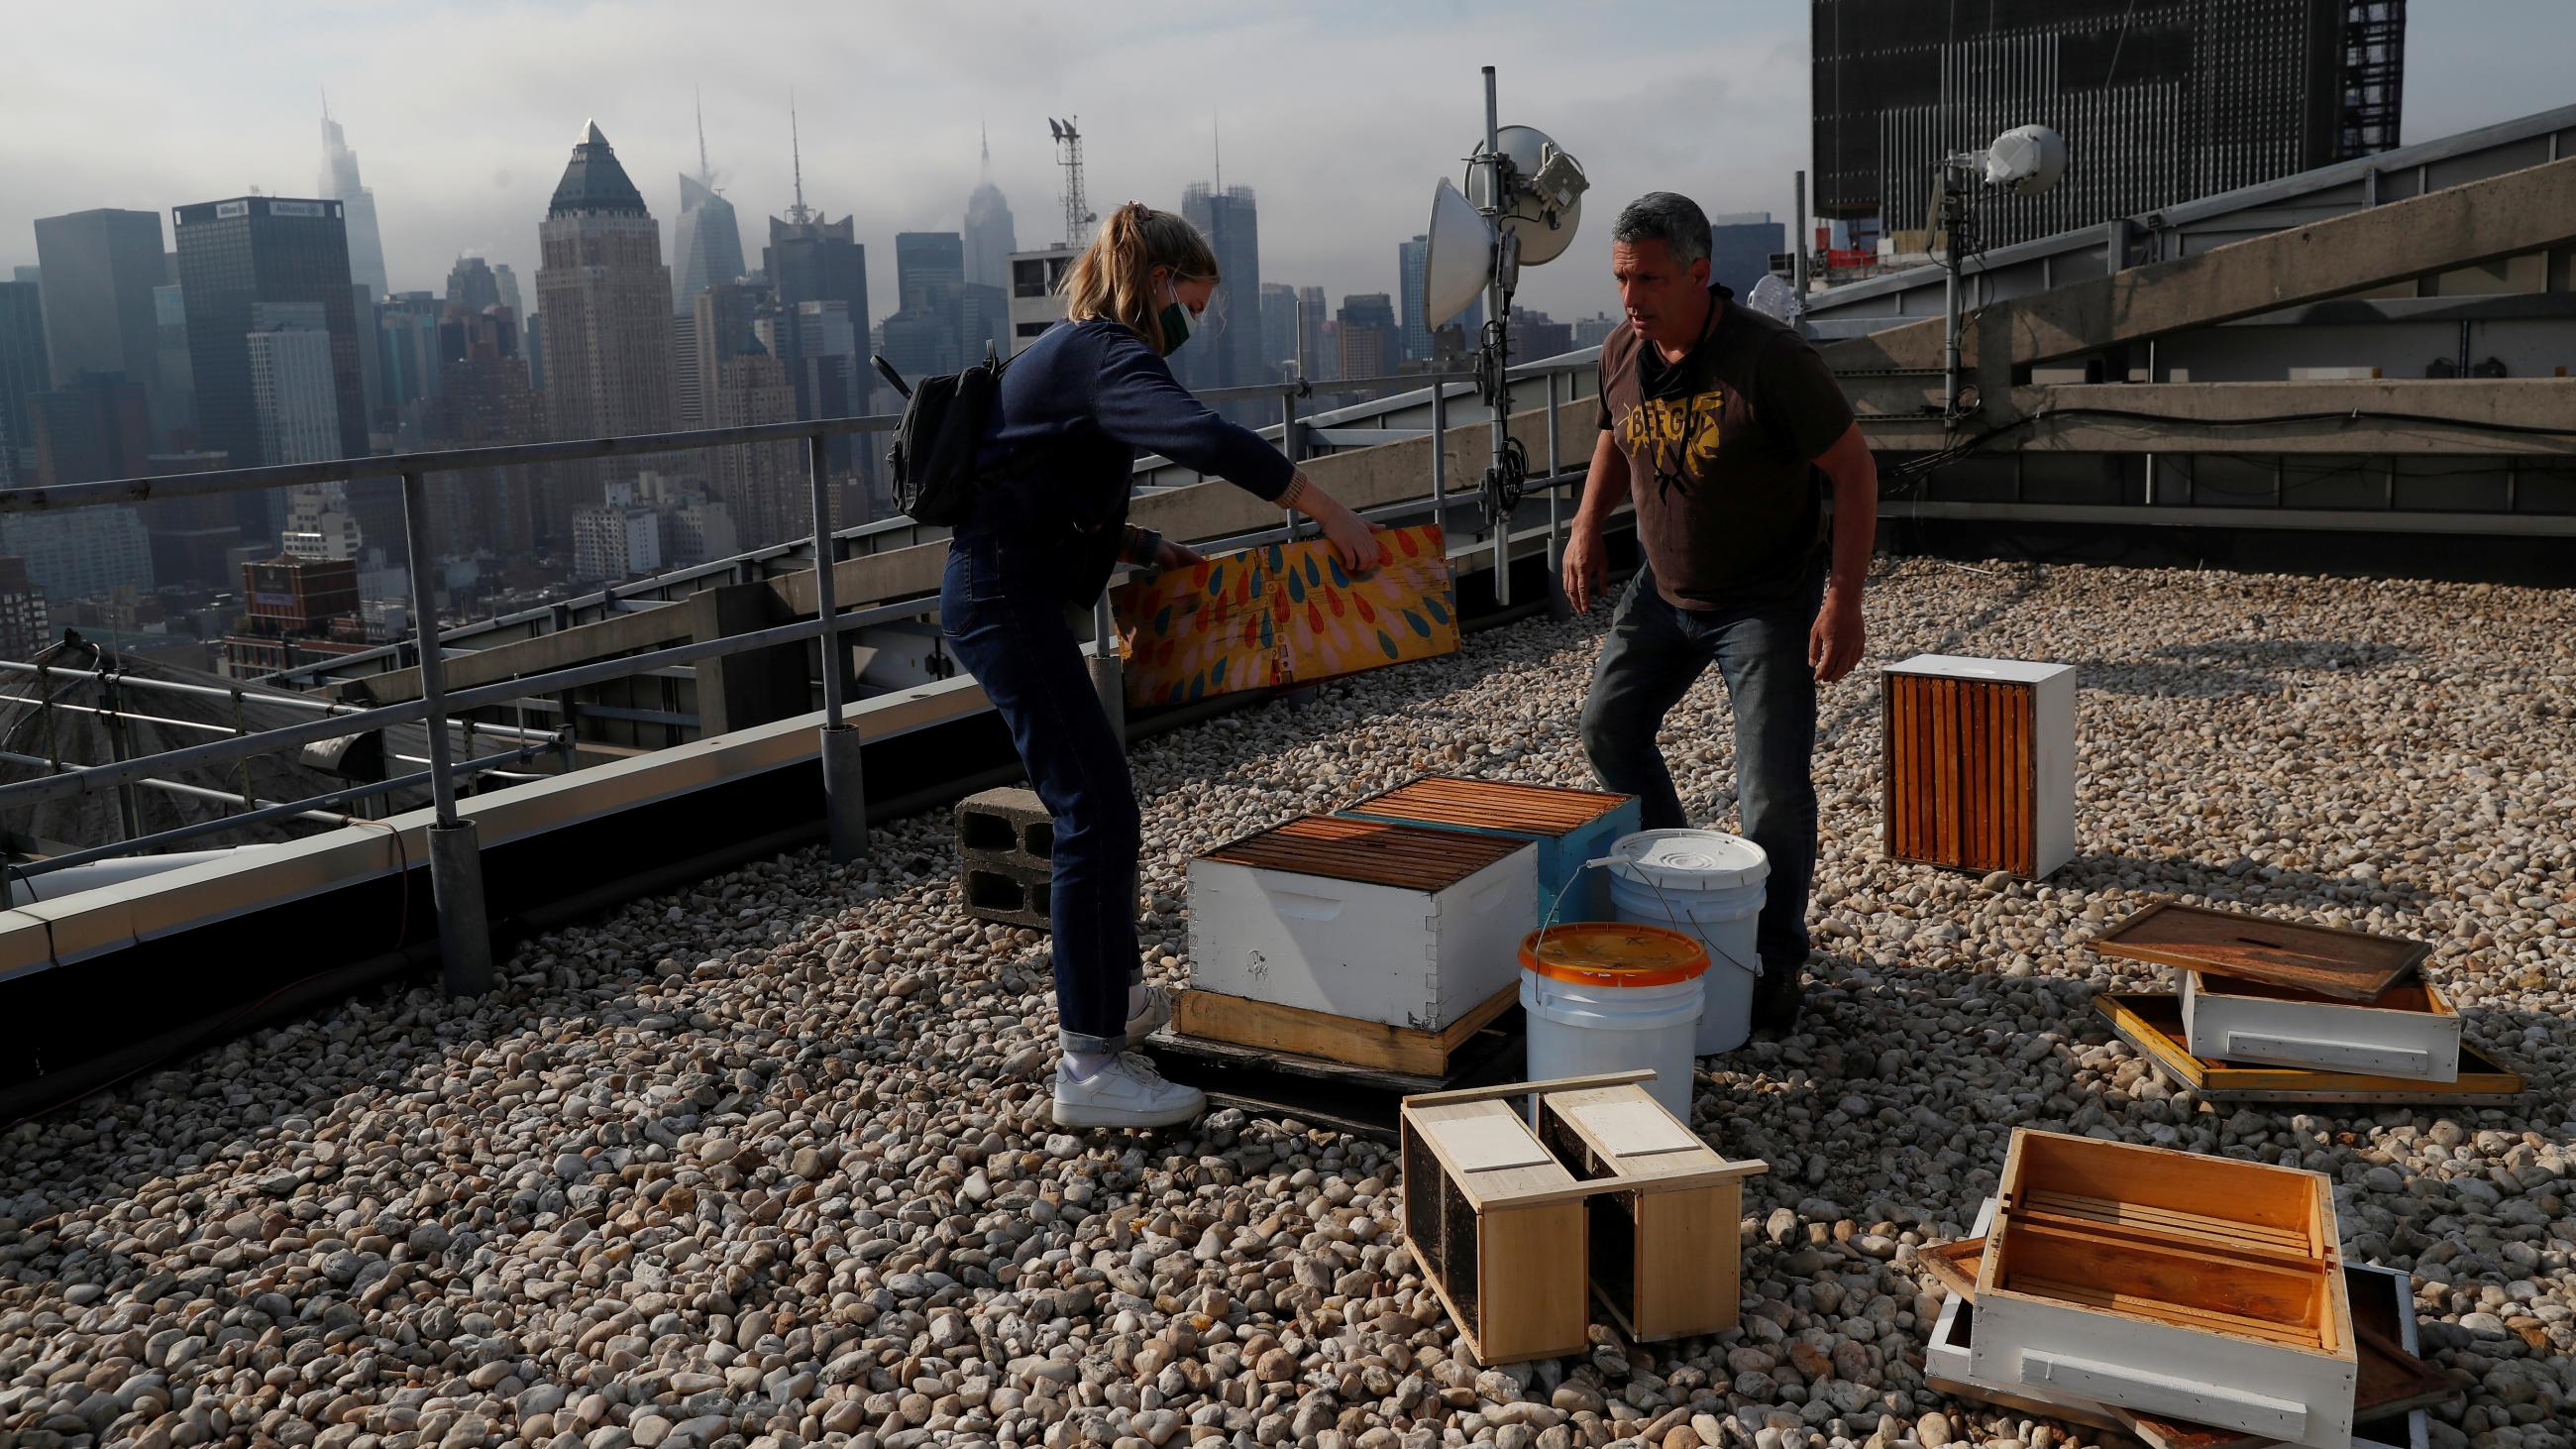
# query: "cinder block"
{"type": "Point", "coordinates": [1009, 826]}
{"type": "Point", "coordinates": [1011, 894]}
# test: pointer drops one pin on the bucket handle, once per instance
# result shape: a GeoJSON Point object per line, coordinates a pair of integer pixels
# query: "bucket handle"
{"type": "Point", "coordinates": [1670, 914]}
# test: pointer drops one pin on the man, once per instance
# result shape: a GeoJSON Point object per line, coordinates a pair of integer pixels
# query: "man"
{"type": "Point", "coordinates": [1715, 421]}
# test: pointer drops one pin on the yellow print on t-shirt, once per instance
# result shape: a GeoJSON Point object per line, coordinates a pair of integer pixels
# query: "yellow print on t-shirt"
{"type": "Point", "coordinates": [1676, 438]}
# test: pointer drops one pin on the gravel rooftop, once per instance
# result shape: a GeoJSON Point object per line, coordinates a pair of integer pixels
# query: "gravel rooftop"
{"type": "Point", "coordinates": [768, 1163]}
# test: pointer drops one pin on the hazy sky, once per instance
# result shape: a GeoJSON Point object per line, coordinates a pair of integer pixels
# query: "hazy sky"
{"type": "Point", "coordinates": [1340, 114]}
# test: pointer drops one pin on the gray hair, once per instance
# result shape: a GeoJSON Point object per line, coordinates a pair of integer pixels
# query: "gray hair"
{"type": "Point", "coordinates": [1668, 217]}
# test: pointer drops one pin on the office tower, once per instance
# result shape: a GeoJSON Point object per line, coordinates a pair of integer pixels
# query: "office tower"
{"type": "Point", "coordinates": [1420, 339]}
{"type": "Point", "coordinates": [2159, 100]}
{"type": "Point", "coordinates": [688, 390]}
{"type": "Point", "coordinates": [832, 379]}
{"type": "Point", "coordinates": [1230, 221]}
{"type": "Point", "coordinates": [1536, 335]}
{"type": "Point", "coordinates": [990, 236]}
{"type": "Point", "coordinates": [172, 389]}
{"type": "Point", "coordinates": [508, 283]}
{"type": "Point", "coordinates": [929, 267]}
{"type": "Point", "coordinates": [1740, 247]}
{"type": "Point", "coordinates": [24, 632]}
{"type": "Point", "coordinates": [720, 326]}
{"type": "Point", "coordinates": [1279, 326]}
{"type": "Point", "coordinates": [1314, 361]}
{"type": "Point", "coordinates": [617, 537]}
{"type": "Point", "coordinates": [293, 393]}
{"type": "Point", "coordinates": [357, 209]}
{"type": "Point", "coordinates": [763, 485]}
{"type": "Point", "coordinates": [483, 400]}
{"type": "Point", "coordinates": [408, 350]}
{"type": "Point", "coordinates": [99, 269]}
{"type": "Point", "coordinates": [1594, 330]}
{"type": "Point", "coordinates": [472, 285]}
{"type": "Point", "coordinates": [87, 554]}
{"type": "Point", "coordinates": [1366, 330]}
{"type": "Point", "coordinates": [24, 370]}
{"type": "Point", "coordinates": [983, 320]}
{"type": "Point", "coordinates": [536, 351]}
{"type": "Point", "coordinates": [606, 298]}
{"type": "Point", "coordinates": [706, 240]}
{"type": "Point", "coordinates": [371, 369]}
{"type": "Point", "coordinates": [192, 538]}
{"type": "Point", "coordinates": [237, 257]}
{"type": "Point", "coordinates": [32, 276]}
{"type": "Point", "coordinates": [93, 427]}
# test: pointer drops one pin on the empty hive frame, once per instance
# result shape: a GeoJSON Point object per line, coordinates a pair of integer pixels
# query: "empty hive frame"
{"type": "Point", "coordinates": [2199, 1288]}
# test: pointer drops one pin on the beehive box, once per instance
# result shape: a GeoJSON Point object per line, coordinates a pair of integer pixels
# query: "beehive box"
{"type": "Point", "coordinates": [1499, 1226]}
{"type": "Point", "coordinates": [1979, 763]}
{"type": "Point", "coordinates": [2407, 1031]}
{"type": "Point", "coordinates": [1394, 924]}
{"type": "Point", "coordinates": [1567, 827]}
{"type": "Point", "coordinates": [2151, 1023]}
{"type": "Point", "coordinates": [1664, 1243]}
{"type": "Point", "coordinates": [2392, 1388]}
{"type": "Point", "coordinates": [2199, 1288]}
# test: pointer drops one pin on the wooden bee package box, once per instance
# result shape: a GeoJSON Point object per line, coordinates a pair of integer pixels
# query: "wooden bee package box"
{"type": "Point", "coordinates": [1497, 1224]}
{"type": "Point", "coordinates": [1664, 1240]}
{"type": "Point", "coordinates": [1395, 924]}
{"type": "Point", "coordinates": [1979, 763]}
{"type": "Point", "coordinates": [2200, 1288]}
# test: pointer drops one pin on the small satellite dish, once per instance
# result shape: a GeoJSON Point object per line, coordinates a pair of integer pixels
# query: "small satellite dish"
{"type": "Point", "coordinates": [1459, 258]}
{"type": "Point", "coordinates": [2026, 159]}
{"type": "Point", "coordinates": [1543, 217]}
{"type": "Point", "coordinates": [1774, 299]}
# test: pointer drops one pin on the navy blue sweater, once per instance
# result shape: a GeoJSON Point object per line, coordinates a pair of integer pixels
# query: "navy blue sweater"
{"type": "Point", "coordinates": [1077, 408]}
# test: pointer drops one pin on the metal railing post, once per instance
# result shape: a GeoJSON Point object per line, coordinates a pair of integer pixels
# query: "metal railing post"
{"type": "Point", "coordinates": [1440, 456]}
{"type": "Point", "coordinates": [241, 727]}
{"type": "Point", "coordinates": [1288, 446]}
{"type": "Point", "coordinates": [1559, 607]}
{"type": "Point", "coordinates": [128, 811]}
{"type": "Point", "coordinates": [455, 859]}
{"type": "Point", "coordinates": [845, 801]}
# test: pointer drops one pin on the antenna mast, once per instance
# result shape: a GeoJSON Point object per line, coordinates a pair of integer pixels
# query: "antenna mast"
{"type": "Point", "coordinates": [705, 172]}
{"type": "Point", "coordinates": [1068, 151]}
{"type": "Point", "coordinates": [797, 213]}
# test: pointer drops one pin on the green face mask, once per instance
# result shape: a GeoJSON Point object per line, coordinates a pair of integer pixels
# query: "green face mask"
{"type": "Point", "coordinates": [1176, 323]}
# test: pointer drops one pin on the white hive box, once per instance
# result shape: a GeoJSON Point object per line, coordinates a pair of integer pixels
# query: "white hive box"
{"type": "Point", "coordinates": [1402, 925]}
{"type": "Point", "coordinates": [2408, 1031]}
{"type": "Point", "coordinates": [2195, 1288]}
{"type": "Point", "coordinates": [1980, 763]}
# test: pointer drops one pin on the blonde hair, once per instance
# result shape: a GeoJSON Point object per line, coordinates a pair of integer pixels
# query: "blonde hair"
{"type": "Point", "coordinates": [1110, 280]}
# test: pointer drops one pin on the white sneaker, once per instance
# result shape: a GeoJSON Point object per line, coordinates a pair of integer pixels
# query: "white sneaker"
{"type": "Point", "coordinates": [1127, 1093]}
{"type": "Point", "coordinates": [1156, 1015]}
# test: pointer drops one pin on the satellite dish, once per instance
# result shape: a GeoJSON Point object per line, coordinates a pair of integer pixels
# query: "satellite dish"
{"type": "Point", "coordinates": [1459, 258]}
{"type": "Point", "coordinates": [2026, 159]}
{"type": "Point", "coordinates": [1544, 223]}
{"type": "Point", "coordinates": [1774, 299]}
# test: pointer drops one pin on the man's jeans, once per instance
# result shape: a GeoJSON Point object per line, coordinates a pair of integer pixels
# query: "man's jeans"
{"type": "Point", "coordinates": [1007, 623]}
{"type": "Point", "coordinates": [1654, 654]}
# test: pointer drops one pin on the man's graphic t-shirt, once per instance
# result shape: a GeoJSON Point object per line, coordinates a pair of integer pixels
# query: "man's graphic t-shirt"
{"type": "Point", "coordinates": [1720, 449]}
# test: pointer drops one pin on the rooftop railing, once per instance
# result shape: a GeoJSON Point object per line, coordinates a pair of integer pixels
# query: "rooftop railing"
{"type": "Point", "coordinates": [454, 856]}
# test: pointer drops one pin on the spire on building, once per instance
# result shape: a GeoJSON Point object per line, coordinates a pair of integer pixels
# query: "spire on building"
{"type": "Point", "coordinates": [593, 182]}
{"type": "Point", "coordinates": [796, 153]}
{"type": "Point", "coordinates": [706, 173]}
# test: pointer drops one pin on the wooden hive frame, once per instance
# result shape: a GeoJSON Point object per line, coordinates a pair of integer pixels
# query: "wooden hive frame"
{"type": "Point", "coordinates": [1665, 1245]}
{"type": "Point", "coordinates": [2198, 1287]}
{"type": "Point", "coordinates": [1497, 1225]}
{"type": "Point", "coordinates": [1977, 764]}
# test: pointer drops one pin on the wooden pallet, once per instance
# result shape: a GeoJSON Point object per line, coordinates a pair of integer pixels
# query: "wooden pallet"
{"type": "Point", "coordinates": [2151, 1023]}
{"type": "Point", "coordinates": [1269, 1027]}
{"type": "Point", "coordinates": [1358, 1099]}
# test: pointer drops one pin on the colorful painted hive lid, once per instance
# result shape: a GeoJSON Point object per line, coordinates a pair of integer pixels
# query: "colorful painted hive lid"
{"type": "Point", "coordinates": [1413, 857]}
{"type": "Point", "coordinates": [1493, 804]}
{"type": "Point", "coordinates": [2326, 960]}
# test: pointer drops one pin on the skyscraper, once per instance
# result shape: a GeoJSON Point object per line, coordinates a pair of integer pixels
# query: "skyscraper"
{"type": "Point", "coordinates": [606, 298]}
{"type": "Point", "coordinates": [472, 286]}
{"type": "Point", "coordinates": [1279, 324]}
{"type": "Point", "coordinates": [928, 333]}
{"type": "Point", "coordinates": [1740, 247]}
{"type": "Point", "coordinates": [292, 389]}
{"type": "Point", "coordinates": [2159, 100]}
{"type": "Point", "coordinates": [358, 208]}
{"type": "Point", "coordinates": [1411, 258]}
{"type": "Point", "coordinates": [508, 282]}
{"type": "Point", "coordinates": [1314, 362]}
{"type": "Point", "coordinates": [1230, 221]}
{"type": "Point", "coordinates": [23, 369]}
{"type": "Point", "coordinates": [929, 267]}
{"type": "Point", "coordinates": [252, 252]}
{"type": "Point", "coordinates": [99, 269]}
{"type": "Point", "coordinates": [1367, 334]}
{"type": "Point", "coordinates": [990, 238]}
{"type": "Point", "coordinates": [706, 241]}
{"type": "Point", "coordinates": [761, 484]}
{"type": "Point", "coordinates": [483, 400]}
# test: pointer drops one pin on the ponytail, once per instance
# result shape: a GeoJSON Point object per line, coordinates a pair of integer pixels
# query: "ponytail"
{"type": "Point", "coordinates": [1111, 281]}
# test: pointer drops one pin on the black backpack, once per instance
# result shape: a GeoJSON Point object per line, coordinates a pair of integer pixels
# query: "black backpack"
{"type": "Point", "coordinates": [932, 462]}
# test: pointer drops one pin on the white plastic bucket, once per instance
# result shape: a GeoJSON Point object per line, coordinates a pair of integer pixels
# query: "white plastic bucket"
{"type": "Point", "coordinates": [1708, 884]}
{"type": "Point", "coordinates": [1584, 1027]}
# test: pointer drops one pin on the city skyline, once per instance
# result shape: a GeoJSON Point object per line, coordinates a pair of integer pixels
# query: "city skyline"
{"type": "Point", "coordinates": [465, 165]}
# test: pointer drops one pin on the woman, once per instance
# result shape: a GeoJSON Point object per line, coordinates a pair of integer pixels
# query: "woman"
{"type": "Point", "coordinates": [1075, 408]}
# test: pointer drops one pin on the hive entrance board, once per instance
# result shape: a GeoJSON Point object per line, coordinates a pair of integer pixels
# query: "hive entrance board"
{"type": "Point", "coordinates": [2326, 960]}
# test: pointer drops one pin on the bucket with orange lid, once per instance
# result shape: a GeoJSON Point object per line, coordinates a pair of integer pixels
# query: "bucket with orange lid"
{"type": "Point", "coordinates": [1605, 996]}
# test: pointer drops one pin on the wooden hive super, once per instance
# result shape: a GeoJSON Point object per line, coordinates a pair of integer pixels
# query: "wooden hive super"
{"type": "Point", "coordinates": [1980, 763]}
{"type": "Point", "coordinates": [1664, 1243]}
{"type": "Point", "coordinates": [2198, 1287]}
{"type": "Point", "coordinates": [1499, 1227]}
{"type": "Point", "coordinates": [1569, 828]}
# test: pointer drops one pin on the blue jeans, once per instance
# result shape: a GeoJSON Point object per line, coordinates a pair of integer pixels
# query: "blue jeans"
{"type": "Point", "coordinates": [1654, 654]}
{"type": "Point", "coordinates": [1004, 612]}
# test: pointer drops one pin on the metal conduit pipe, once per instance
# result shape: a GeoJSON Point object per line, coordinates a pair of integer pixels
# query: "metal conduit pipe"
{"type": "Point", "coordinates": [286, 701]}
